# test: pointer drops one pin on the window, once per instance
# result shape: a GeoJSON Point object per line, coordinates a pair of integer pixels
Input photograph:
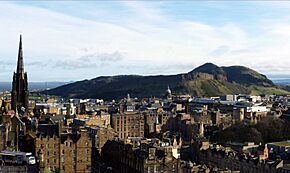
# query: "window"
{"type": "Point", "coordinates": [73, 154]}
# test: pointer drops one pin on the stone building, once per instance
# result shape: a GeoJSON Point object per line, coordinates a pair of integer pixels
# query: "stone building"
{"type": "Point", "coordinates": [148, 157]}
{"type": "Point", "coordinates": [154, 121]}
{"type": "Point", "coordinates": [65, 152]}
{"type": "Point", "coordinates": [11, 130]}
{"type": "Point", "coordinates": [189, 167]}
{"type": "Point", "coordinates": [47, 142]}
{"type": "Point", "coordinates": [128, 124]}
{"type": "Point", "coordinates": [75, 149]}
{"type": "Point", "coordinates": [225, 157]}
{"type": "Point", "coordinates": [100, 135]}
{"type": "Point", "coordinates": [238, 114]}
{"type": "Point", "coordinates": [100, 119]}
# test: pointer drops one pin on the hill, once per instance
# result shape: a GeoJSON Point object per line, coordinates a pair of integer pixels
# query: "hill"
{"type": "Point", "coordinates": [206, 80]}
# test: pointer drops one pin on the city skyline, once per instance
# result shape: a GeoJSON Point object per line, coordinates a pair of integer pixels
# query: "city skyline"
{"type": "Point", "coordinates": [66, 41]}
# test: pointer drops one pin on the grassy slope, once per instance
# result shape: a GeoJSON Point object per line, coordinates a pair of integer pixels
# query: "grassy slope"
{"type": "Point", "coordinates": [202, 87]}
{"type": "Point", "coordinates": [257, 90]}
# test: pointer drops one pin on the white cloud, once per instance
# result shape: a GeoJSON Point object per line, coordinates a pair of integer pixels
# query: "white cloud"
{"type": "Point", "coordinates": [145, 40]}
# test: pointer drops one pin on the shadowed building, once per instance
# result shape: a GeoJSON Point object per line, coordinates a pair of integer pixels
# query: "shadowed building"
{"type": "Point", "coordinates": [149, 157]}
{"type": "Point", "coordinates": [19, 94]}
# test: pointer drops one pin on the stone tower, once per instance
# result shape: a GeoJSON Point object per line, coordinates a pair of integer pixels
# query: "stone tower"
{"type": "Point", "coordinates": [19, 94]}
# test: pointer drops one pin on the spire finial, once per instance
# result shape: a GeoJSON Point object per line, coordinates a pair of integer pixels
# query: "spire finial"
{"type": "Point", "coordinates": [20, 40]}
{"type": "Point", "coordinates": [20, 64]}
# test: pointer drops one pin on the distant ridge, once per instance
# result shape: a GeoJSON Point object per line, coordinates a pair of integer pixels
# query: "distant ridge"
{"type": "Point", "coordinates": [205, 80]}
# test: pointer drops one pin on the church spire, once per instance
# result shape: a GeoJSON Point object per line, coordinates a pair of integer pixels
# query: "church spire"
{"type": "Point", "coordinates": [19, 94]}
{"type": "Point", "coordinates": [20, 64]}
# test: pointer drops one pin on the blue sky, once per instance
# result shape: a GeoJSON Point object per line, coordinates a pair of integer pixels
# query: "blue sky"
{"type": "Point", "coordinates": [71, 40]}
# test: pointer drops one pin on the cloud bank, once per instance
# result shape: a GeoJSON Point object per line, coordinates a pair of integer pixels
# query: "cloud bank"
{"type": "Point", "coordinates": [85, 40]}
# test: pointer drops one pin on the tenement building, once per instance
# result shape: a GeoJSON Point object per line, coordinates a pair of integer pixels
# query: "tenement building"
{"type": "Point", "coordinates": [65, 152]}
{"type": "Point", "coordinates": [149, 156]}
{"type": "Point", "coordinates": [225, 157]}
{"type": "Point", "coordinates": [128, 124]}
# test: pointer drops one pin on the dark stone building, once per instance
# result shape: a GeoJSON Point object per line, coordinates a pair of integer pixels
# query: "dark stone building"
{"type": "Point", "coordinates": [19, 94]}
{"type": "Point", "coordinates": [147, 158]}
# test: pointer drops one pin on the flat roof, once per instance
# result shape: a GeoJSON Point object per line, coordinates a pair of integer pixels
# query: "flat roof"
{"type": "Point", "coordinates": [281, 144]}
{"type": "Point", "coordinates": [15, 152]}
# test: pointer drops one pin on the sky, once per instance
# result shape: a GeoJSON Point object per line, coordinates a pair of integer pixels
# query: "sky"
{"type": "Point", "coordinates": [73, 40]}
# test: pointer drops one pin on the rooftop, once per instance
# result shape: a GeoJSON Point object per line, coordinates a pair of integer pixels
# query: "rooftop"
{"type": "Point", "coordinates": [281, 144]}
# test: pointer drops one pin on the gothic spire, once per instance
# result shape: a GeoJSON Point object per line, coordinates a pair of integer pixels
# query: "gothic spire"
{"type": "Point", "coordinates": [20, 64]}
{"type": "Point", "coordinates": [20, 93]}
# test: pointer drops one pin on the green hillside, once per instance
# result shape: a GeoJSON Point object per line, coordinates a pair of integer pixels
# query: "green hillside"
{"type": "Point", "coordinates": [205, 80]}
